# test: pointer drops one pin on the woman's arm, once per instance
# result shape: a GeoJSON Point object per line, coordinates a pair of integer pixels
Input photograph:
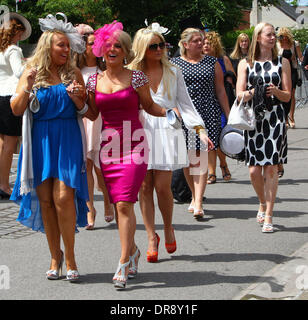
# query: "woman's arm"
{"type": "Point", "coordinates": [241, 83]}
{"type": "Point", "coordinates": [283, 95]}
{"type": "Point", "coordinates": [186, 108]}
{"type": "Point", "coordinates": [147, 102]}
{"type": "Point", "coordinates": [92, 112]}
{"type": "Point", "coordinates": [220, 90]}
{"type": "Point", "coordinates": [23, 91]}
{"type": "Point", "coordinates": [299, 52]}
{"type": "Point", "coordinates": [16, 62]}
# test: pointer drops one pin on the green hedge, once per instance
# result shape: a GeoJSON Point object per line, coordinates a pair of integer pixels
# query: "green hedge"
{"type": "Point", "coordinates": [301, 35]}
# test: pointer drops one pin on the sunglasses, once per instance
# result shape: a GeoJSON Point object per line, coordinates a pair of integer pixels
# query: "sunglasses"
{"type": "Point", "coordinates": [154, 46]}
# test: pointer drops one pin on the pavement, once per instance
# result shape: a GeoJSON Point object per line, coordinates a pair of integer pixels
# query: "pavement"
{"type": "Point", "coordinates": [223, 257]}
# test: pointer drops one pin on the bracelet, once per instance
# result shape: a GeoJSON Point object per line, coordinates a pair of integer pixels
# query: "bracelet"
{"type": "Point", "coordinates": [83, 110]}
{"type": "Point", "coordinates": [198, 129]}
{"type": "Point", "coordinates": [27, 91]}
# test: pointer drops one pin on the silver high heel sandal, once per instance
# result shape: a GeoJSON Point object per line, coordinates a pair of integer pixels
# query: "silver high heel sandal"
{"type": "Point", "coordinates": [72, 275]}
{"type": "Point", "coordinates": [268, 227]}
{"type": "Point", "coordinates": [133, 269]}
{"type": "Point", "coordinates": [53, 274]}
{"type": "Point", "coordinates": [261, 215]}
{"type": "Point", "coordinates": [120, 280]}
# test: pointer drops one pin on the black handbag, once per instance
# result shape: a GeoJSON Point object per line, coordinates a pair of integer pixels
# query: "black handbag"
{"type": "Point", "coordinates": [299, 80]}
{"type": "Point", "coordinates": [179, 186]}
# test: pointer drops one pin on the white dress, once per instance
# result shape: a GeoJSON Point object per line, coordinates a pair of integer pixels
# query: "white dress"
{"type": "Point", "coordinates": [92, 128]}
{"type": "Point", "coordinates": [167, 145]}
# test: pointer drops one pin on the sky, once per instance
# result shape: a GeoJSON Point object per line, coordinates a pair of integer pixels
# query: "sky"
{"type": "Point", "coordinates": [300, 2]}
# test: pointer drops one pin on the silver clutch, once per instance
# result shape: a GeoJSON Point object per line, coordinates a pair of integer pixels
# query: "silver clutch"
{"type": "Point", "coordinates": [173, 119]}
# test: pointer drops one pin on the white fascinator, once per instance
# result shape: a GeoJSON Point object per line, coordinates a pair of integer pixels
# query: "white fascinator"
{"type": "Point", "coordinates": [155, 27]}
{"type": "Point", "coordinates": [52, 23]}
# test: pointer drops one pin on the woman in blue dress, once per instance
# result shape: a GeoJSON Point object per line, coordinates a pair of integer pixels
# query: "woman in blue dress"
{"type": "Point", "coordinates": [52, 192]}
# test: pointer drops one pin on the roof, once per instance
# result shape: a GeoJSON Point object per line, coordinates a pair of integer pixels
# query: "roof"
{"type": "Point", "coordinates": [288, 10]}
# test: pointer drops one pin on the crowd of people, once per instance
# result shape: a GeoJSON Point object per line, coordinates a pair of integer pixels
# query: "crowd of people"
{"type": "Point", "coordinates": [96, 109]}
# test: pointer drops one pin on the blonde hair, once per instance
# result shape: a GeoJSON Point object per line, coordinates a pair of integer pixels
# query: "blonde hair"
{"type": "Point", "coordinates": [41, 60]}
{"type": "Point", "coordinates": [237, 53]}
{"type": "Point", "coordinates": [141, 42]}
{"type": "Point", "coordinates": [126, 44]}
{"type": "Point", "coordinates": [7, 34]}
{"type": "Point", "coordinates": [254, 49]}
{"type": "Point", "coordinates": [215, 43]}
{"type": "Point", "coordinates": [285, 32]}
{"type": "Point", "coordinates": [186, 36]}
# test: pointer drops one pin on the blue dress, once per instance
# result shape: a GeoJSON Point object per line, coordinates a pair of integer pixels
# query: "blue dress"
{"type": "Point", "coordinates": [57, 153]}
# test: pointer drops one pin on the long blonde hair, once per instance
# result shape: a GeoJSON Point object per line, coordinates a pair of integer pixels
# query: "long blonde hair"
{"type": "Point", "coordinates": [41, 60]}
{"type": "Point", "coordinates": [254, 49]}
{"type": "Point", "coordinates": [141, 42]}
{"type": "Point", "coordinates": [237, 53]}
{"type": "Point", "coordinates": [215, 42]}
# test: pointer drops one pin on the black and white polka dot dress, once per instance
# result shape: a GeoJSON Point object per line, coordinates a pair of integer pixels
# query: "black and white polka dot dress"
{"type": "Point", "coordinates": [199, 79]}
{"type": "Point", "coordinates": [267, 144]}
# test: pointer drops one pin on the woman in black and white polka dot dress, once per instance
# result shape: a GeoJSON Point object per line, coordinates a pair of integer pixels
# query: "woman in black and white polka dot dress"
{"type": "Point", "coordinates": [266, 145]}
{"type": "Point", "coordinates": [203, 77]}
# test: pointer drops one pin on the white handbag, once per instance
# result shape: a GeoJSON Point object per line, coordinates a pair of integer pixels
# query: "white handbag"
{"type": "Point", "coordinates": [242, 116]}
{"type": "Point", "coordinates": [173, 119]}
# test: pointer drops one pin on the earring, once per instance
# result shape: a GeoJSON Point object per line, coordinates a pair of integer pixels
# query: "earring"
{"type": "Point", "coordinates": [125, 60]}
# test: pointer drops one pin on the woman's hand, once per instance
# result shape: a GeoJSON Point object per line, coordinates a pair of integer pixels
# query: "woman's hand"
{"type": "Point", "coordinates": [30, 75]}
{"type": "Point", "coordinates": [76, 90]}
{"type": "Point", "coordinates": [271, 90]}
{"type": "Point", "coordinates": [206, 140]}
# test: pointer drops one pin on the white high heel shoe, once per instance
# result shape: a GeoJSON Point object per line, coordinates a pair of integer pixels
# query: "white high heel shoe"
{"type": "Point", "coordinates": [261, 215]}
{"type": "Point", "coordinates": [72, 275]}
{"type": "Point", "coordinates": [53, 274]}
{"type": "Point", "coordinates": [133, 269]}
{"type": "Point", "coordinates": [120, 280]}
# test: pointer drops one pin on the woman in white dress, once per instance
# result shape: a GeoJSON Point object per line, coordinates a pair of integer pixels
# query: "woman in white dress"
{"type": "Point", "coordinates": [89, 64]}
{"type": "Point", "coordinates": [166, 143]}
{"type": "Point", "coordinates": [14, 28]}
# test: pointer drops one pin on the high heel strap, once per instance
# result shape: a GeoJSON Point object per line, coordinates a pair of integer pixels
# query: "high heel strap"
{"type": "Point", "coordinates": [132, 259]}
{"type": "Point", "coordinates": [121, 267]}
{"type": "Point", "coordinates": [133, 269]}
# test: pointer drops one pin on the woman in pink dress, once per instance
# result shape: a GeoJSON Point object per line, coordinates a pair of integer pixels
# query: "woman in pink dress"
{"type": "Point", "coordinates": [88, 64]}
{"type": "Point", "coordinates": [117, 94]}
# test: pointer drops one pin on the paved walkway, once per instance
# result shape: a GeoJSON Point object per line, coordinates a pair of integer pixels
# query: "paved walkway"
{"type": "Point", "coordinates": [225, 256]}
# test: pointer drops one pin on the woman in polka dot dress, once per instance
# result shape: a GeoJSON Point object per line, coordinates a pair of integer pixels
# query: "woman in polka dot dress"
{"type": "Point", "coordinates": [203, 77]}
{"type": "Point", "coordinates": [266, 145]}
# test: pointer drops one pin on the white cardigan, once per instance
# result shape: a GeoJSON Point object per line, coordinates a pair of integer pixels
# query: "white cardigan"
{"type": "Point", "coordinates": [11, 68]}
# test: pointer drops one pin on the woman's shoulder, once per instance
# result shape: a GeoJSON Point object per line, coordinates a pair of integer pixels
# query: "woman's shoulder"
{"type": "Point", "coordinates": [12, 48]}
{"type": "Point", "coordinates": [139, 79]}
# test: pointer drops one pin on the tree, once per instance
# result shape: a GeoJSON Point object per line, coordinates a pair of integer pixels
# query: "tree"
{"type": "Point", "coordinates": [218, 15]}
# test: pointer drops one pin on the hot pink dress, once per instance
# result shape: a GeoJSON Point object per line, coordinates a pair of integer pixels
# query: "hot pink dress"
{"type": "Point", "coordinates": [124, 149]}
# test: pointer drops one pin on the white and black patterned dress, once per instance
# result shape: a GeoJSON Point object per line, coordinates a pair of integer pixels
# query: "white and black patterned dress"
{"type": "Point", "coordinates": [199, 79]}
{"type": "Point", "coordinates": [267, 144]}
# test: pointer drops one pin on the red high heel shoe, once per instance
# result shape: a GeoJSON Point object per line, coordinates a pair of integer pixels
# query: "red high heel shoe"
{"type": "Point", "coordinates": [152, 256]}
{"type": "Point", "coordinates": [171, 247]}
